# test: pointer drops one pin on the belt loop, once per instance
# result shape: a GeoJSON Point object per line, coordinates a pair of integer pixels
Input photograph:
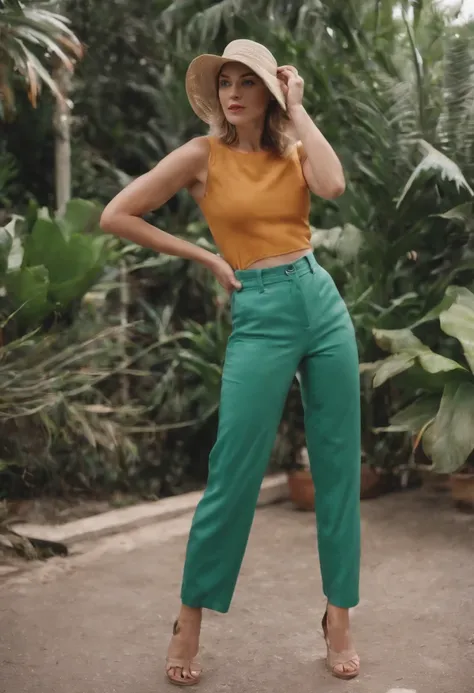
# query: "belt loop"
{"type": "Point", "coordinates": [310, 260]}
{"type": "Point", "coordinates": [261, 287]}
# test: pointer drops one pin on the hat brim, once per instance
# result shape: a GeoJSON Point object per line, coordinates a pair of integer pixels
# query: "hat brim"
{"type": "Point", "coordinates": [201, 83]}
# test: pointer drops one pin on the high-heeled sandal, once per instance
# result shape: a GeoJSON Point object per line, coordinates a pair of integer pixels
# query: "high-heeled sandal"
{"type": "Point", "coordinates": [190, 664]}
{"type": "Point", "coordinates": [335, 660]}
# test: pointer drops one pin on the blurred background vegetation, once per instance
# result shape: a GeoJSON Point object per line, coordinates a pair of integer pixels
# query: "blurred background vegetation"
{"type": "Point", "coordinates": [110, 356]}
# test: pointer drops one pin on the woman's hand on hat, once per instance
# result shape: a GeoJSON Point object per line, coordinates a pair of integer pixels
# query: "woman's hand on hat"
{"type": "Point", "coordinates": [224, 274]}
{"type": "Point", "coordinates": [292, 86]}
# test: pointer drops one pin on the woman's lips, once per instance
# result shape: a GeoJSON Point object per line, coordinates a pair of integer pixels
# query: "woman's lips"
{"type": "Point", "coordinates": [235, 107]}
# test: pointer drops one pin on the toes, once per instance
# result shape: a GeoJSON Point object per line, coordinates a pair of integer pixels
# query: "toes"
{"type": "Point", "coordinates": [350, 667]}
{"type": "Point", "coordinates": [187, 674]}
{"type": "Point", "coordinates": [347, 668]}
{"type": "Point", "coordinates": [178, 675]}
{"type": "Point", "coordinates": [174, 674]}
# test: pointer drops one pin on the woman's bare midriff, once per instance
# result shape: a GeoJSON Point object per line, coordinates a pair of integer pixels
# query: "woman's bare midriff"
{"type": "Point", "coordinates": [276, 260]}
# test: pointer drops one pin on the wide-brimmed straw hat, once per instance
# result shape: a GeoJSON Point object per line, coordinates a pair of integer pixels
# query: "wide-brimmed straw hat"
{"type": "Point", "coordinates": [202, 74]}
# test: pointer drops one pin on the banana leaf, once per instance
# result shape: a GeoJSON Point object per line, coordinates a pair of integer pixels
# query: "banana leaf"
{"type": "Point", "coordinates": [449, 441]}
{"type": "Point", "coordinates": [458, 322]}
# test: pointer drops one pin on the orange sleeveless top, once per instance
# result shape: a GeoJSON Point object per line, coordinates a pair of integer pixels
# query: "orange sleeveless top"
{"type": "Point", "coordinates": [256, 204]}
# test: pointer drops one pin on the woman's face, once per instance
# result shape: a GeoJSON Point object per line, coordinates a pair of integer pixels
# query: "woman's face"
{"type": "Point", "coordinates": [243, 96]}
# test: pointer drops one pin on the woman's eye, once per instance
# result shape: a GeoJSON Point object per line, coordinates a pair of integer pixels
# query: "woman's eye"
{"type": "Point", "coordinates": [248, 82]}
{"type": "Point", "coordinates": [223, 83]}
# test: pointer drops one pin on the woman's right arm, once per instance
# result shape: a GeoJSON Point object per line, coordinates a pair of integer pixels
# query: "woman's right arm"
{"type": "Point", "coordinates": [123, 215]}
{"type": "Point", "coordinates": [181, 169]}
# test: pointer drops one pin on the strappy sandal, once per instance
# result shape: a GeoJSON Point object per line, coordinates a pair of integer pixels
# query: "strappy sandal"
{"type": "Point", "coordinates": [190, 664]}
{"type": "Point", "coordinates": [336, 660]}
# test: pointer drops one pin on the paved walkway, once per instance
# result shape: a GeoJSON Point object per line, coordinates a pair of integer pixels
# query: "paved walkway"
{"type": "Point", "coordinates": [99, 621]}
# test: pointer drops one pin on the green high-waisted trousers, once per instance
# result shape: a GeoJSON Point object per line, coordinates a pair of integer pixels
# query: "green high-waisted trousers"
{"type": "Point", "coordinates": [285, 320]}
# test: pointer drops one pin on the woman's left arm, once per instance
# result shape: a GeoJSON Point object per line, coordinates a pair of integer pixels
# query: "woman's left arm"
{"type": "Point", "coordinates": [321, 167]}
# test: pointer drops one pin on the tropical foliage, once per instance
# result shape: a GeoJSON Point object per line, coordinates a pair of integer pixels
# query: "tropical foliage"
{"type": "Point", "coordinates": [391, 84]}
{"type": "Point", "coordinates": [47, 263]}
{"type": "Point", "coordinates": [439, 389]}
{"type": "Point", "coordinates": [32, 40]}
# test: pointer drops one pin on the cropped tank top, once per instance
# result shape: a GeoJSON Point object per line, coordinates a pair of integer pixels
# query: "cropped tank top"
{"type": "Point", "coordinates": [256, 204]}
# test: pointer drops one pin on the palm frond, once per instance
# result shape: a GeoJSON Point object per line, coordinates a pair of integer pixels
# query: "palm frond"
{"type": "Point", "coordinates": [418, 64]}
{"type": "Point", "coordinates": [436, 162]}
{"type": "Point", "coordinates": [36, 37]}
{"type": "Point", "coordinates": [456, 125]}
{"type": "Point", "coordinates": [37, 73]}
{"type": "Point", "coordinates": [28, 35]}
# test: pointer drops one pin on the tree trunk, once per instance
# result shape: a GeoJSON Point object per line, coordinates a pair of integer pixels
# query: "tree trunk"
{"type": "Point", "coordinates": [62, 143]}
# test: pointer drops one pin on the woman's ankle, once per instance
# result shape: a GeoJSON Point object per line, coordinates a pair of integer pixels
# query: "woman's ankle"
{"type": "Point", "coordinates": [337, 616]}
{"type": "Point", "coordinates": [189, 614]}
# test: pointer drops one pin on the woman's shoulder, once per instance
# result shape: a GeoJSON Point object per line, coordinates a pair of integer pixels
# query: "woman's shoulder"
{"type": "Point", "coordinates": [198, 147]}
{"type": "Point", "coordinates": [193, 155]}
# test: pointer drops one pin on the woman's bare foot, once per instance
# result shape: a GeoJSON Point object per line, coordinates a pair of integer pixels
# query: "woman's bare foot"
{"type": "Point", "coordinates": [340, 641]}
{"type": "Point", "coordinates": [184, 646]}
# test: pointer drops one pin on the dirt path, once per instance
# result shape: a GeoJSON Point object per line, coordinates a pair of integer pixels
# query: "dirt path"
{"type": "Point", "coordinates": [99, 621]}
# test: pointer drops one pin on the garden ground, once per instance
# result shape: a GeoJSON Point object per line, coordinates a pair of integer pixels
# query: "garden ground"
{"type": "Point", "coordinates": [99, 621]}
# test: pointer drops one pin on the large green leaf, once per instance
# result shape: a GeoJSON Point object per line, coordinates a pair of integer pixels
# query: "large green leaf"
{"type": "Point", "coordinates": [46, 246]}
{"type": "Point", "coordinates": [462, 295]}
{"type": "Point", "coordinates": [435, 363]}
{"type": "Point", "coordinates": [452, 294]}
{"type": "Point", "coordinates": [63, 293]}
{"type": "Point", "coordinates": [449, 441]}
{"type": "Point", "coordinates": [392, 366]}
{"type": "Point", "coordinates": [396, 341]}
{"type": "Point", "coordinates": [79, 257]}
{"type": "Point", "coordinates": [80, 216]}
{"type": "Point", "coordinates": [431, 362]}
{"type": "Point", "coordinates": [73, 263]}
{"type": "Point", "coordinates": [417, 379]}
{"type": "Point", "coordinates": [458, 322]}
{"type": "Point", "coordinates": [27, 288]}
{"type": "Point", "coordinates": [407, 350]}
{"type": "Point", "coordinates": [416, 415]}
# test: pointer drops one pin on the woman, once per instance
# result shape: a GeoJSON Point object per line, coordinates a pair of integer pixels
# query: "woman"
{"type": "Point", "coordinates": [252, 183]}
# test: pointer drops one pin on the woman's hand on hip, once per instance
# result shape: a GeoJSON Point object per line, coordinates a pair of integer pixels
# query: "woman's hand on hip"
{"type": "Point", "coordinates": [292, 86]}
{"type": "Point", "coordinates": [224, 274]}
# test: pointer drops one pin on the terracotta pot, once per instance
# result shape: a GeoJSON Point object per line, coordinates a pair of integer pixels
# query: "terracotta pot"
{"type": "Point", "coordinates": [374, 483]}
{"type": "Point", "coordinates": [301, 487]}
{"type": "Point", "coordinates": [462, 491]}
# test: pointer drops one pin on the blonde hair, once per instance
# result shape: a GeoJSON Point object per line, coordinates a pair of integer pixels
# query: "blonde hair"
{"type": "Point", "coordinates": [276, 135]}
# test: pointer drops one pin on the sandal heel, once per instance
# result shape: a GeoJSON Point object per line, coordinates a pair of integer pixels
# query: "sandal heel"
{"type": "Point", "coordinates": [192, 665]}
{"type": "Point", "coordinates": [334, 660]}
